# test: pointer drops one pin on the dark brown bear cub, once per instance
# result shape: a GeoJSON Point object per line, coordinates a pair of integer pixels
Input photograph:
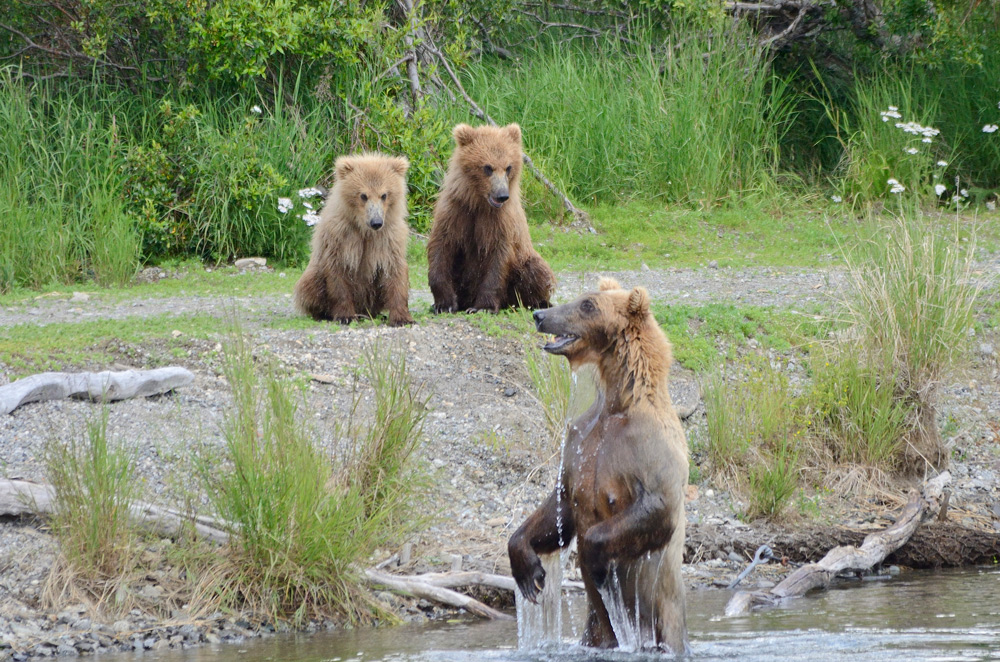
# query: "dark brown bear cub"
{"type": "Point", "coordinates": [625, 468]}
{"type": "Point", "coordinates": [358, 262]}
{"type": "Point", "coordinates": [479, 255]}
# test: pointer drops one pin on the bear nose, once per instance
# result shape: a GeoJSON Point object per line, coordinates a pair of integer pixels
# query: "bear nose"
{"type": "Point", "coordinates": [539, 315]}
{"type": "Point", "coordinates": [502, 197]}
{"type": "Point", "coordinates": [375, 223]}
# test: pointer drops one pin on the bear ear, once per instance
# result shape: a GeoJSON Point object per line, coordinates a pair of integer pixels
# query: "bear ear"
{"type": "Point", "coordinates": [638, 302]}
{"type": "Point", "coordinates": [606, 284]}
{"type": "Point", "coordinates": [342, 167]}
{"type": "Point", "coordinates": [399, 165]}
{"type": "Point", "coordinates": [514, 131]}
{"type": "Point", "coordinates": [464, 134]}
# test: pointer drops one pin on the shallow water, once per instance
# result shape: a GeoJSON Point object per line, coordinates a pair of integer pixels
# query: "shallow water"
{"type": "Point", "coordinates": [944, 615]}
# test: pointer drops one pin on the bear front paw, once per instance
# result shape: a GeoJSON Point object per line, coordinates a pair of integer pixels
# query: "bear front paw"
{"type": "Point", "coordinates": [444, 308]}
{"type": "Point", "coordinates": [401, 321]}
{"type": "Point", "coordinates": [345, 319]}
{"type": "Point", "coordinates": [530, 580]}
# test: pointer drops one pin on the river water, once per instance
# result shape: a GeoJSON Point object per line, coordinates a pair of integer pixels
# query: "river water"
{"type": "Point", "coordinates": [940, 616]}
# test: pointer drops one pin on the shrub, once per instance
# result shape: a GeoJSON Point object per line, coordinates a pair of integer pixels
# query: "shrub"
{"type": "Point", "coordinates": [300, 522]}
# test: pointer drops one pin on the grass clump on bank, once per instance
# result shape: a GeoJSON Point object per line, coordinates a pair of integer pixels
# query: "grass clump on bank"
{"type": "Point", "coordinates": [94, 484]}
{"type": "Point", "coordinates": [300, 521]}
{"type": "Point", "coordinates": [755, 430]}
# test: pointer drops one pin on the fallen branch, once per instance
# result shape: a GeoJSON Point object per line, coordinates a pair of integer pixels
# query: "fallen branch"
{"type": "Point", "coordinates": [578, 214]}
{"type": "Point", "coordinates": [875, 548]}
{"type": "Point", "coordinates": [416, 587]}
{"type": "Point", "coordinates": [98, 386]}
{"type": "Point", "coordinates": [472, 578]}
{"type": "Point", "coordinates": [19, 498]}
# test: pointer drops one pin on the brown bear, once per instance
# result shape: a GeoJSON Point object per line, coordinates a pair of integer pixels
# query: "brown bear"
{"type": "Point", "coordinates": [624, 473]}
{"type": "Point", "coordinates": [479, 256]}
{"type": "Point", "coordinates": [358, 262]}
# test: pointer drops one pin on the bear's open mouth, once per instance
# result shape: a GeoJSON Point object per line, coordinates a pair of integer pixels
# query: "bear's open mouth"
{"type": "Point", "coordinates": [493, 201]}
{"type": "Point", "coordinates": [560, 343]}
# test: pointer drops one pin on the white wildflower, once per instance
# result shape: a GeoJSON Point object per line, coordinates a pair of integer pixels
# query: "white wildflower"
{"type": "Point", "coordinates": [311, 218]}
{"type": "Point", "coordinates": [256, 110]}
{"type": "Point", "coordinates": [893, 108]}
{"type": "Point", "coordinates": [309, 192]}
{"type": "Point", "coordinates": [990, 128]}
{"type": "Point", "coordinates": [942, 164]}
{"type": "Point", "coordinates": [911, 150]}
{"type": "Point", "coordinates": [884, 118]}
{"type": "Point", "coordinates": [886, 114]}
{"type": "Point", "coordinates": [836, 198]}
{"type": "Point", "coordinates": [284, 205]}
{"type": "Point", "coordinates": [939, 189]}
{"type": "Point", "coordinates": [964, 192]}
{"type": "Point", "coordinates": [895, 186]}
{"type": "Point", "coordinates": [307, 205]}
{"type": "Point", "coordinates": [926, 140]}
{"type": "Point", "coordinates": [917, 130]}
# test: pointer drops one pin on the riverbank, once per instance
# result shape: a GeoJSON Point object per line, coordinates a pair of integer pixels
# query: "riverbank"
{"type": "Point", "coordinates": [486, 447]}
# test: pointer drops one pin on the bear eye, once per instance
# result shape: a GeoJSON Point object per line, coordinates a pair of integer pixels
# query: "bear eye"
{"type": "Point", "coordinates": [587, 306]}
{"type": "Point", "coordinates": [488, 170]}
{"type": "Point", "coordinates": [508, 171]}
{"type": "Point", "coordinates": [364, 198]}
{"type": "Point", "coordinates": [383, 197]}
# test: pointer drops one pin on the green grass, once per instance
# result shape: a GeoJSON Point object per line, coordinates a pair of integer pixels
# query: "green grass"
{"type": "Point", "coordinates": [606, 123]}
{"type": "Point", "coordinates": [301, 521]}
{"type": "Point", "coordinates": [95, 484]}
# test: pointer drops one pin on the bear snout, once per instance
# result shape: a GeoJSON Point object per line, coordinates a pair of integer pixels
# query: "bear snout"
{"type": "Point", "coordinates": [539, 317]}
{"type": "Point", "coordinates": [375, 223]}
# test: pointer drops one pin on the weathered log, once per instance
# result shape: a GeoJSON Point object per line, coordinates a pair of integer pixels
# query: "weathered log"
{"type": "Point", "coordinates": [98, 386]}
{"type": "Point", "coordinates": [19, 498]}
{"type": "Point", "coordinates": [473, 578]}
{"type": "Point", "coordinates": [422, 589]}
{"type": "Point", "coordinates": [875, 548]}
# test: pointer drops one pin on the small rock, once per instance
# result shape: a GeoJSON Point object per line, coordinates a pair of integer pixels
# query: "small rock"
{"type": "Point", "coordinates": [80, 296]}
{"type": "Point", "coordinates": [250, 262]}
{"type": "Point", "coordinates": [121, 626]}
{"type": "Point", "coordinates": [736, 558]}
{"type": "Point", "coordinates": [510, 391]}
{"type": "Point", "coordinates": [714, 264]}
{"type": "Point", "coordinates": [986, 349]}
{"type": "Point", "coordinates": [893, 570]}
{"type": "Point", "coordinates": [176, 334]}
{"type": "Point", "coordinates": [645, 267]}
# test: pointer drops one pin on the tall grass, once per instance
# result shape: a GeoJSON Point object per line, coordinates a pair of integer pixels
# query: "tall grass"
{"type": "Point", "coordinates": [755, 430]}
{"type": "Point", "coordinates": [300, 521]}
{"type": "Point", "coordinates": [95, 485]}
{"type": "Point", "coordinates": [911, 307]}
{"type": "Point", "coordinates": [654, 120]}
{"type": "Point", "coordinates": [61, 186]}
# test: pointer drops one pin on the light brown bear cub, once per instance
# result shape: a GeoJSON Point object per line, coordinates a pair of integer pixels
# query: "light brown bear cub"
{"type": "Point", "coordinates": [358, 262]}
{"type": "Point", "coordinates": [479, 256]}
{"type": "Point", "coordinates": [625, 469]}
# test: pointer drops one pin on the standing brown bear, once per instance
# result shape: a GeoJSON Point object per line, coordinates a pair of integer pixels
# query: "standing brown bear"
{"type": "Point", "coordinates": [625, 470]}
{"type": "Point", "coordinates": [480, 255]}
{"type": "Point", "coordinates": [358, 262]}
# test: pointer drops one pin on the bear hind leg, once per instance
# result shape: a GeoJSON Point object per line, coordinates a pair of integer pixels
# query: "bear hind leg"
{"type": "Point", "coordinates": [311, 296]}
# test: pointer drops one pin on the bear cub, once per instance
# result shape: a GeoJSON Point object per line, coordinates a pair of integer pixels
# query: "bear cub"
{"type": "Point", "coordinates": [480, 255]}
{"type": "Point", "coordinates": [358, 261]}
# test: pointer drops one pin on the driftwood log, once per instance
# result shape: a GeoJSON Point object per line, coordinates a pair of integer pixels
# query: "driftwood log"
{"type": "Point", "coordinates": [875, 548]}
{"type": "Point", "coordinates": [97, 386]}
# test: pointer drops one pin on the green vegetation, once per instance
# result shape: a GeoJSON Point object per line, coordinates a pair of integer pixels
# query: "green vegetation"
{"type": "Point", "coordinates": [299, 521]}
{"type": "Point", "coordinates": [94, 484]}
{"type": "Point", "coordinates": [551, 382]}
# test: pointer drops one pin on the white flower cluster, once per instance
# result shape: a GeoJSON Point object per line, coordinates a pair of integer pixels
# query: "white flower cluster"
{"type": "Point", "coordinates": [990, 128]}
{"type": "Point", "coordinates": [895, 186]}
{"type": "Point", "coordinates": [836, 198]}
{"type": "Point", "coordinates": [939, 189]}
{"type": "Point", "coordinates": [911, 150]}
{"type": "Point", "coordinates": [284, 205]}
{"type": "Point", "coordinates": [311, 218]}
{"type": "Point", "coordinates": [918, 130]}
{"type": "Point", "coordinates": [893, 113]}
{"type": "Point", "coordinates": [942, 164]}
{"type": "Point", "coordinates": [256, 110]}
{"type": "Point", "coordinates": [309, 192]}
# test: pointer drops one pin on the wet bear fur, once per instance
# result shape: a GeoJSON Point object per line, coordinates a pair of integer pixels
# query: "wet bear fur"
{"type": "Point", "coordinates": [625, 469]}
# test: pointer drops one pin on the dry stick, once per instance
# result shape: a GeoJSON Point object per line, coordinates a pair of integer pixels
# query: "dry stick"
{"type": "Point", "coordinates": [875, 548]}
{"type": "Point", "coordinates": [578, 214]}
{"type": "Point", "coordinates": [422, 589]}
{"type": "Point", "coordinates": [411, 62]}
